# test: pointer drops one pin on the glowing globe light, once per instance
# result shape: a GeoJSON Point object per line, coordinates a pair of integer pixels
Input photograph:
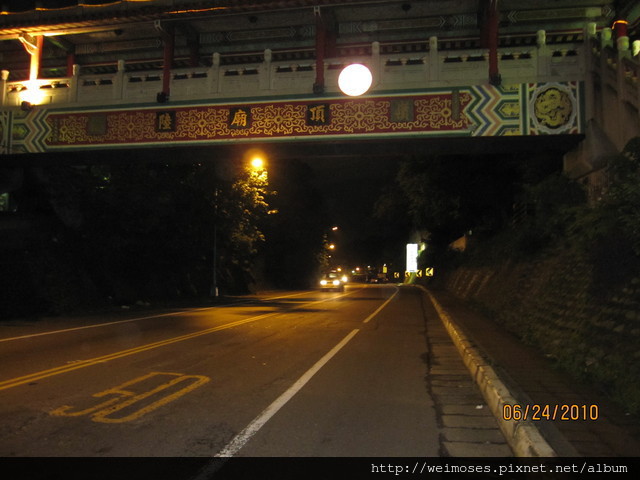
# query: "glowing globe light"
{"type": "Point", "coordinates": [355, 79]}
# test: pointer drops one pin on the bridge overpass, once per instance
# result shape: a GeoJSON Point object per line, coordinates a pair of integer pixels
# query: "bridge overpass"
{"type": "Point", "coordinates": [513, 75]}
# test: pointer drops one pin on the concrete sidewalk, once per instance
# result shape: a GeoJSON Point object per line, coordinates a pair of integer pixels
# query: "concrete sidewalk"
{"type": "Point", "coordinates": [510, 372]}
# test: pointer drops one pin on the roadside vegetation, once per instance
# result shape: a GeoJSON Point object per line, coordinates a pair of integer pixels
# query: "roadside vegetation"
{"type": "Point", "coordinates": [605, 231]}
{"type": "Point", "coordinates": [144, 231]}
{"type": "Point", "coordinates": [561, 270]}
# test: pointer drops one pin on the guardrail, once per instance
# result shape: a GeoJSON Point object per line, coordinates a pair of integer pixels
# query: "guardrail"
{"type": "Point", "coordinates": [615, 103]}
{"type": "Point", "coordinates": [392, 72]}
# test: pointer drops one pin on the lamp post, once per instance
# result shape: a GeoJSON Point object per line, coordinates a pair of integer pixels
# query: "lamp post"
{"type": "Point", "coordinates": [256, 167]}
{"type": "Point", "coordinates": [214, 282]}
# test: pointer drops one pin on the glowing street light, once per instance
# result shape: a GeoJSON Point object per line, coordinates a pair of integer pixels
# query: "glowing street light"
{"type": "Point", "coordinates": [355, 79]}
{"type": "Point", "coordinates": [257, 163]}
{"type": "Point", "coordinates": [255, 166]}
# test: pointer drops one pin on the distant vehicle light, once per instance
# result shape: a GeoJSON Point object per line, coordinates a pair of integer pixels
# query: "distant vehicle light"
{"type": "Point", "coordinates": [331, 281]}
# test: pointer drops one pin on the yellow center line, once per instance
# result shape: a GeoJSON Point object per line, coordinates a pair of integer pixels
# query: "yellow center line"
{"type": "Point", "coordinates": [14, 382]}
{"type": "Point", "coordinates": [136, 319]}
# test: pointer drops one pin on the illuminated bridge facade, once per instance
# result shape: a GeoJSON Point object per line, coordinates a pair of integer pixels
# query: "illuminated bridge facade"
{"type": "Point", "coordinates": [170, 72]}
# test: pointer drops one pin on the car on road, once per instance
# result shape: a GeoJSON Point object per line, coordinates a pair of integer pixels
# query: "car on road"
{"type": "Point", "coordinates": [332, 281]}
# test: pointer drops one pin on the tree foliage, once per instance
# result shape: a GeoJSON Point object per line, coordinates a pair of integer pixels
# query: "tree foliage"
{"type": "Point", "coordinates": [293, 250]}
{"type": "Point", "coordinates": [143, 231]}
{"type": "Point", "coordinates": [448, 195]}
{"type": "Point", "coordinates": [624, 194]}
{"type": "Point", "coordinates": [609, 231]}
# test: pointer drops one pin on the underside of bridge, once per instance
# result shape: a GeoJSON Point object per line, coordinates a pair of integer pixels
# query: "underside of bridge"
{"type": "Point", "coordinates": [314, 151]}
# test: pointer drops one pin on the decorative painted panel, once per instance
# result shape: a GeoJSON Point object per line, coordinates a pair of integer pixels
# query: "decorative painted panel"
{"type": "Point", "coordinates": [483, 110]}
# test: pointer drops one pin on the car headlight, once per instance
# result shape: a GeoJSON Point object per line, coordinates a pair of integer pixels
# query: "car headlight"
{"type": "Point", "coordinates": [336, 282]}
{"type": "Point", "coordinates": [344, 279]}
{"type": "Point", "coordinates": [323, 282]}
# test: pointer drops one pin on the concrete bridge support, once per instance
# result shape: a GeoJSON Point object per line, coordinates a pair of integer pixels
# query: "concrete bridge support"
{"type": "Point", "coordinates": [612, 106]}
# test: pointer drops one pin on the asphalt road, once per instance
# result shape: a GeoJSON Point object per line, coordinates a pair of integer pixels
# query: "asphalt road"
{"type": "Point", "coordinates": [292, 374]}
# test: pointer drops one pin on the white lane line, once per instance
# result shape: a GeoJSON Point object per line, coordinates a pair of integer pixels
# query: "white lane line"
{"type": "Point", "coordinates": [366, 320]}
{"type": "Point", "coordinates": [250, 430]}
{"type": "Point", "coordinates": [136, 319]}
{"type": "Point", "coordinates": [95, 325]}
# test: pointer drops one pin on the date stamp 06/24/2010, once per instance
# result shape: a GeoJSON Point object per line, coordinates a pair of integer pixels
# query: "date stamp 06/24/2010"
{"type": "Point", "coordinates": [562, 412]}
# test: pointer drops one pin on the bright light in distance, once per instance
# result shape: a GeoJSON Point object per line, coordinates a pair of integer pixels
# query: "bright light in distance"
{"type": "Point", "coordinates": [255, 159]}
{"type": "Point", "coordinates": [412, 257]}
{"type": "Point", "coordinates": [257, 163]}
{"type": "Point", "coordinates": [355, 79]}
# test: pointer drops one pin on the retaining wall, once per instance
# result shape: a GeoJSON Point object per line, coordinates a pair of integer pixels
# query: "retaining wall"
{"type": "Point", "coordinates": [550, 302]}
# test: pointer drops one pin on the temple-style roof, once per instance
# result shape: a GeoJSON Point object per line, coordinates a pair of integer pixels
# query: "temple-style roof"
{"type": "Point", "coordinates": [98, 33]}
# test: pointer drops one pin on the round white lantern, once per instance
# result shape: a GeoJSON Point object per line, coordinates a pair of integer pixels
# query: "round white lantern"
{"type": "Point", "coordinates": [355, 79]}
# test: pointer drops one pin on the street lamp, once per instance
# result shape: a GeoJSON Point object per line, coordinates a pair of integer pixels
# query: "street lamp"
{"type": "Point", "coordinates": [254, 159]}
{"type": "Point", "coordinates": [214, 282]}
{"type": "Point", "coordinates": [257, 170]}
{"type": "Point", "coordinates": [257, 163]}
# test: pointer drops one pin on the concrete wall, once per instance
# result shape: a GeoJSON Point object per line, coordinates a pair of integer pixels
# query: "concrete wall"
{"type": "Point", "coordinates": [552, 302]}
{"type": "Point", "coordinates": [612, 104]}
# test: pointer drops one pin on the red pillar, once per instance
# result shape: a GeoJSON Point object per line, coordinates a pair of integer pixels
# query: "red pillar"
{"type": "Point", "coordinates": [167, 62]}
{"type": "Point", "coordinates": [318, 86]}
{"type": "Point", "coordinates": [492, 40]}
{"type": "Point", "coordinates": [167, 33]}
{"type": "Point", "coordinates": [71, 61]}
{"type": "Point", "coordinates": [35, 69]}
{"type": "Point", "coordinates": [620, 28]}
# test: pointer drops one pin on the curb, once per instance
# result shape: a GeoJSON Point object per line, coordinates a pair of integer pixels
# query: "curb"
{"type": "Point", "coordinates": [523, 437]}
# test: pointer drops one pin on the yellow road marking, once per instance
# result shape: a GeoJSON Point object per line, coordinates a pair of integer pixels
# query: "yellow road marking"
{"type": "Point", "coordinates": [103, 412]}
{"type": "Point", "coordinates": [124, 353]}
{"type": "Point", "coordinates": [14, 382]}
{"type": "Point", "coordinates": [137, 319]}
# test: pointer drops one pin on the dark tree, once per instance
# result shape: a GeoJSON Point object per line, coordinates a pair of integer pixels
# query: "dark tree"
{"type": "Point", "coordinates": [294, 236]}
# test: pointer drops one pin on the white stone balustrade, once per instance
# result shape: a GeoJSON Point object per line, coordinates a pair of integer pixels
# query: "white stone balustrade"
{"type": "Point", "coordinates": [614, 102]}
{"type": "Point", "coordinates": [392, 72]}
